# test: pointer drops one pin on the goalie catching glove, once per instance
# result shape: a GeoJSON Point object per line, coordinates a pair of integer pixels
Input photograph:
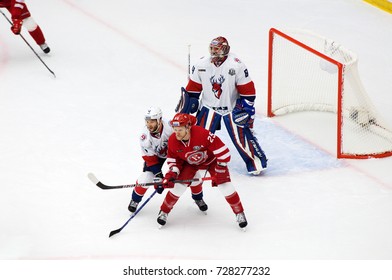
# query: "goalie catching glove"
{"type": "Point", "coordinates": [244, 113]}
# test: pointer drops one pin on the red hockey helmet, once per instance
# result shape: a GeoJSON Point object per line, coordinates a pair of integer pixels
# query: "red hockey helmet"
{"type": "Point", "coordinates": [182, 119]}
{"type": "Point", "coordinates": [219, 48]}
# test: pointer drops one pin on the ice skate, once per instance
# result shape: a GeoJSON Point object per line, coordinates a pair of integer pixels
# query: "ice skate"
{"type": "Point", "coordinates": [133, 206]}
{"type": "Point", "coordinates": [202, 205]}
{"type": "Point", "coordinates": [162, 218]}
{"type": "Point", "coordinates": [241, 220]}
{"type": "Point", "coordinates": [45, 48]}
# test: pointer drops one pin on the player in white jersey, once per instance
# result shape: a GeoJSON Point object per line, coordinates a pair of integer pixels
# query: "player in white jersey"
{"type": "Point", "coordinates": [153, 143]}
{"type": "Point", "coordinates": [226, 91]}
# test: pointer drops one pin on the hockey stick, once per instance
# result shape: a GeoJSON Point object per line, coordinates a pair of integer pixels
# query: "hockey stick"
{"type": "Point", "coordinates": [113, 232]}
{"type": "Point", "coordinates": [30, 46]}
{"type": "Point", "coordinates": [101, 185]}
{"type": "Point", "coordinates": [181, 102]}
{"type": "Point", "coordinates": [189, 61]}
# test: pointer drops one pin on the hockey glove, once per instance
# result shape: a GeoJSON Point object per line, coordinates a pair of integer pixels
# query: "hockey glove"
{"type": "Point", "coordinates": [244, 113]}
{"type": "Point", "coordinates": [16, 26]}
{"type": "Point", "coordinates": [158, 179]}
{"type": "Point", "coordinates": [222, 174]}
{"type": "Point", "coordinates": [168, 180]}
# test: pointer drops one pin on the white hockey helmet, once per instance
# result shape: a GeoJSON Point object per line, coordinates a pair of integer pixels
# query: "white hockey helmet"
{"type": "Point", "coordinates": [153, 113]}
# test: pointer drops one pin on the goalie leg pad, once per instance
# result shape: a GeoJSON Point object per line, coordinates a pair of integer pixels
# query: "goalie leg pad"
{"type": "Point", "coordinates": [247, 145]}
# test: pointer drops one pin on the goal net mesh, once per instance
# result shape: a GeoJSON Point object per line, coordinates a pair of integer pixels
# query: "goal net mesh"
{"type": "Point", "coordinates": [308, 72]}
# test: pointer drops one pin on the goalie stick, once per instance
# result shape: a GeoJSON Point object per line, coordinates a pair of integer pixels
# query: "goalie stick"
{"type": "Point", "coordinates": [101, 185]}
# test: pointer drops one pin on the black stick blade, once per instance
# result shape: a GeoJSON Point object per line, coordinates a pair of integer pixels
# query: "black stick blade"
{"type": "Point", "coordinates": [113, 232]}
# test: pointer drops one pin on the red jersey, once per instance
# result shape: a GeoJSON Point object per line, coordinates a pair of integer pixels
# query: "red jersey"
{"type": "Point", "coordinates": [202, 148]}
{"type": "Point", "coordinates": [17, 8]}
{"type": "Point", "coordinates": [6, 3]}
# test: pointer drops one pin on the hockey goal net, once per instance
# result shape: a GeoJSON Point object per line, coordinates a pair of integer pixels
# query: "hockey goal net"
{"type": "Point", "coordinates": [308, 72]}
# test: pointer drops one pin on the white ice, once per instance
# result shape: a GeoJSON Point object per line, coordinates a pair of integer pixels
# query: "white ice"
{"type": "Point", "coordinates": [115, 59]}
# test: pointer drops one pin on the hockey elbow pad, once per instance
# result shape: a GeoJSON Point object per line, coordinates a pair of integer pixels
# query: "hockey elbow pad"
{"type": "Point", "coordinates": [189, 102]}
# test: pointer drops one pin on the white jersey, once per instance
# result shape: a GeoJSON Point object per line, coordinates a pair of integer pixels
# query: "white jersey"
{"type": "Point", "coordinates": [219, 84]}
{"type": "Point", "coordinates": [155, 145]}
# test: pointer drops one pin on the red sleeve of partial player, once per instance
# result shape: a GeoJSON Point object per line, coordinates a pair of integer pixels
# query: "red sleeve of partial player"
{"type": "Point", "coordinates": [247, 89]}
{"type": "Point", "coordinates": [192, 86]}
{"type": "Point", "coordinates": [150, 160]}
{"type": "Point", "coordinates": [16, 9]}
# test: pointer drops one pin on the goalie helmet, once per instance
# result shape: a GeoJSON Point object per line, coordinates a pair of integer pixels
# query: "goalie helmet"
{"type": "Point", "coordinates": [153, 113]}
{"type": "Point", "coordinates": [219, 49]}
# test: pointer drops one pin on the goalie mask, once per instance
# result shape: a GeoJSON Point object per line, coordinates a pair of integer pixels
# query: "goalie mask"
{"type": "Point", "coordinates": [219, 49]}
{"type": "Point", "coordinates": [153, 113]}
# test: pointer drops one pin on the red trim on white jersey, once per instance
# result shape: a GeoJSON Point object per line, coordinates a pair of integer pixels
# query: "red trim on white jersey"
{"type": "Point", "coordinates": [221, 86]}
{"type": "Point", "coordinates": [247, 89]}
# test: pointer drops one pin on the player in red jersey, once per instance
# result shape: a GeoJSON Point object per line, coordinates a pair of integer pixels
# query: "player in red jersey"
{"type": "Point", "coordinates": [191, 151]}
{"type": "Point", "coordinates": [153, 143]}
{"type": "Point", "coordinates": [20, 16]}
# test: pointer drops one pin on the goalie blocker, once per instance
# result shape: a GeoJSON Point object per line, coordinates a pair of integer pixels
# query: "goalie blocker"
{"type": "Point", "coordinates": [188, 103]}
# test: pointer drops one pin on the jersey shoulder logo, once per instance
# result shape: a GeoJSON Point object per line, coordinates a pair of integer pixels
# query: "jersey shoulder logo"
{"type": "Point", "coordinates": [143, 137]}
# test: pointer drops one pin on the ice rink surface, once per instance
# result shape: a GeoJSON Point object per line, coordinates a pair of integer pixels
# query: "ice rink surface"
{"type": "Point", "coordinates": [114, 60]}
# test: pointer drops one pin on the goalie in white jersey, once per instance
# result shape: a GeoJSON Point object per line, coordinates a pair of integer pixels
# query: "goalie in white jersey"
{"type": "Point", "coordinates": [222, 84]}
{"type": "Point", "coordinates": [153, 143]}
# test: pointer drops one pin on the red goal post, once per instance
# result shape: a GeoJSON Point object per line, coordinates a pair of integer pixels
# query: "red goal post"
{"type": "Point", "coordinates": [308, 72]}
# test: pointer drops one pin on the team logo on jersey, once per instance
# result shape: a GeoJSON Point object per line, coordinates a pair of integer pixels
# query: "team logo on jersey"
{"type": "Point", "coordinates": [197, 157]}
{"type": "Point", "coordinates": [196, 148]}
{"type": "Point", "coordinates": [232, 72]}
{"type": "Point", "coordinates": [143, 137]}
{"type": "Point", "coordinates": [217, 85]}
